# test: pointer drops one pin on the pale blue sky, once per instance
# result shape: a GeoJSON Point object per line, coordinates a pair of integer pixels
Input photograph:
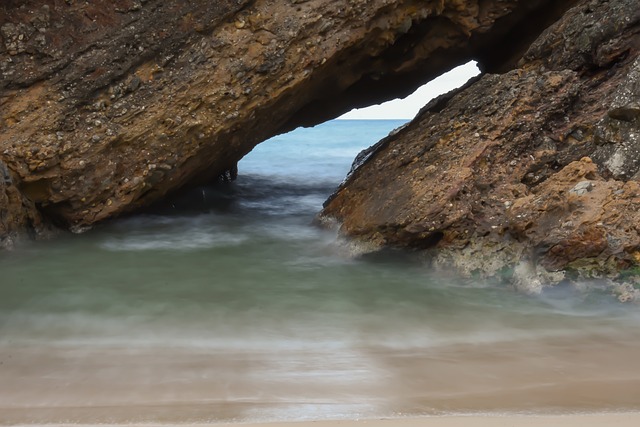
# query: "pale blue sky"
{"type": "Point", "coordinates": [408, 107]}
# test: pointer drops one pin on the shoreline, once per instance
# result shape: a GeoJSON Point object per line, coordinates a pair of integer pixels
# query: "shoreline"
{"type": "Point", "coordinates": [622, 419]}
{"type": "Point", "coordinates": [619, 419]}
{"type": "Point", "coordinates": [582, 420]}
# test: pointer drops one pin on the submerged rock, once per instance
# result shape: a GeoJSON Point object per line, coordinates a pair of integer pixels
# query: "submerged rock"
{"type": "Point", "coordinates": [96, 95]}
{"type": "Point", "coordinates": [539, 164]}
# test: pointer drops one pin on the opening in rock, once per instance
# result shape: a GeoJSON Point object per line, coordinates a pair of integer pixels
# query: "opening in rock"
{"type": "Point", "coordinates": [297, 171]}
{"type": "Point", "coordinates": [408, 107]}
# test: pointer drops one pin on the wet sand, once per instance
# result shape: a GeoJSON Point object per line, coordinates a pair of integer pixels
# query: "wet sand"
{"type": "Point", "coordinates": [582, 420]}
{"type": "Point", "coordinates": [591, 420]}
{"type": "Point", "coordinates": [299, 388]}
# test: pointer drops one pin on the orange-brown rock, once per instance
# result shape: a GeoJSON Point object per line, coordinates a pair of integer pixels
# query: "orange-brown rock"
{"type": "Point", "coordinates": [106, 107]}
{"type": "Point", "coordinates": [580, 219]}
{"type": "Point", "coordinates": [537, 165]}
{"type": "Point", "coordinates": [18, 215]}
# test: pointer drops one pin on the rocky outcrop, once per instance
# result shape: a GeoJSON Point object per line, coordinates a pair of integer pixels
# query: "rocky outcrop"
{"type": "Point", "coordinates": [537, 167]}
{"type": "Point", "coordinates": [19, 217]}
{"type": "Point", "coordinates": [108, 106]}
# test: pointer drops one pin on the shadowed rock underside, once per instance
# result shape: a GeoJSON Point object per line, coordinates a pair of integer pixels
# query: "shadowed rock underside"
{"type": "Point", "coordinates": [107, 107]}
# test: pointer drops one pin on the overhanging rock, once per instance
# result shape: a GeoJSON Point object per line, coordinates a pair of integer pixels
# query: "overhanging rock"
{"type": "Point", "coordinates": [108, 106]}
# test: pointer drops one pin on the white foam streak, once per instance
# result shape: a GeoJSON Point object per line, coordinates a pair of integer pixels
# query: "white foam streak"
{"type": "Point", "coordinates": [188, 241]}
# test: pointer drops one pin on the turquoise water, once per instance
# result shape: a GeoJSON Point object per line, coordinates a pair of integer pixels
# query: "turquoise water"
{"type": "Point", "coordinates": [226, 303]}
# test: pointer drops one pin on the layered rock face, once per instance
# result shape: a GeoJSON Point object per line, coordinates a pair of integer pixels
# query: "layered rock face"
{"type": "Point", "coordinates": [536, 167]}
{"type": "Point", "coordinates": [18, 214]}
{"type": "Point", "coordinates": [108, 106]}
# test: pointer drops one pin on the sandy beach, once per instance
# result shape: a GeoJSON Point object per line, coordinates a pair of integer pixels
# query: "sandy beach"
{"type": "Point", "coordinates": [621, 420]}
{"type": "Point", "coordinates": [630, 419]}
{"type": "Point", "coordinates": [586, 420]}
{"type": "Point", "coordinates": [127, 387]}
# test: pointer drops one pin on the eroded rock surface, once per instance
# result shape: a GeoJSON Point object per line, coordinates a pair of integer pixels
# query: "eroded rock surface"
{"type": "Point", "coordinates": [19, 216]}
{"type": "Point", "coordinates": [108, 106]}
{"type": "Point", "coordinates": [538, 166]}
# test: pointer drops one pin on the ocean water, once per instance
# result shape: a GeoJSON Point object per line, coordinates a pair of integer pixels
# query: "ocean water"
{"type": "Point", "coordinates": [227, 304]}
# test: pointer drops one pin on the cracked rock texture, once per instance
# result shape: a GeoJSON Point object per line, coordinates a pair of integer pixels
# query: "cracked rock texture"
{"type": "Point", "coordinates": [536, 167]}
{"type": "Point", "coordinates": [107, 106]}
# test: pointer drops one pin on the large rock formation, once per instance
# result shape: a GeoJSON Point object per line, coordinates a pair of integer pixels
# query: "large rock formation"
{"type": "Point", "coordinates": [108, 106]}
{"type": "Point", "coordinates": [105, 107]}
{"type": "Point", "coordinates": [537, 166]}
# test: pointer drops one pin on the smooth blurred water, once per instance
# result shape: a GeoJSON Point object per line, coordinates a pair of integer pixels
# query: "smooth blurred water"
{"type": "Point", "coordinates": [226, 303]}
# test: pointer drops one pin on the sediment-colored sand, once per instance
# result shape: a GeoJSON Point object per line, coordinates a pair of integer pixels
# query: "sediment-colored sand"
{"type": "Point", "coordinates": [591, 420]}
{"type": "Point", "coordinates": [572, 420]}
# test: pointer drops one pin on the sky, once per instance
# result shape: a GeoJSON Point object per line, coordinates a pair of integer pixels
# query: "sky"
{"type": "Point", "coordinates": [408, 107]}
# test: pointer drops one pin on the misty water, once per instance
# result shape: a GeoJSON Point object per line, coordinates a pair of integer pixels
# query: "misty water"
{"type": "Point", "coordinates": [226, 303]}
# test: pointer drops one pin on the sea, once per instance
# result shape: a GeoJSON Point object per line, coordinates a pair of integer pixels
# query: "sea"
{"type": "Point", "coordinates": [227, 303]}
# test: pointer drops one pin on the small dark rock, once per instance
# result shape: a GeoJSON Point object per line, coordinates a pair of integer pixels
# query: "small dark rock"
{"type": "Point", "coordinates": [4, 173]}
{"type": "Point", "coordinates": [134, 84]}
{"type": "Point", "coordinates": [627, 113]}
